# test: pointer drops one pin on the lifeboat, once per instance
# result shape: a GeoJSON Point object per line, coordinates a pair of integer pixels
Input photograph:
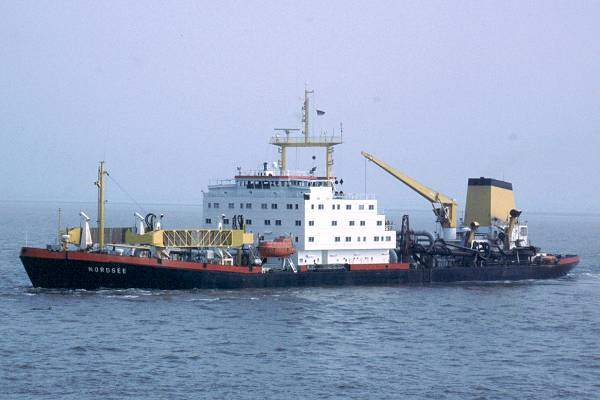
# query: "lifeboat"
{"type": "Point", "coordinates": [279, 247]}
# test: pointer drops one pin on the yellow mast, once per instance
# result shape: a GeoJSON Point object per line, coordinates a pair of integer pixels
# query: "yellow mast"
{"type": "Point", "coordinates": [306, 140]}
{"type": "Point", "coordinates": [100, 184]}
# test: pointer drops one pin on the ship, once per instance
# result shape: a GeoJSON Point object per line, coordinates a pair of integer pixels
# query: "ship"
{"type": "Point", "coordinates": [274, 227]}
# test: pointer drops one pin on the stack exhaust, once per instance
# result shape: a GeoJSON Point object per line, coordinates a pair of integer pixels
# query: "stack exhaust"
{"type": "Point", "coordinates": [488, 199]}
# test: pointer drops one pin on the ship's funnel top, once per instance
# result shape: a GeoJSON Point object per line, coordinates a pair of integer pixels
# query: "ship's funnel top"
{"type": "Point", "coordinates": [488, 199]}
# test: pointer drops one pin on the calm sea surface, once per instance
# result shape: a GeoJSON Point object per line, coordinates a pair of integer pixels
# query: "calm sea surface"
{"type": "Point", "coordinates": [534, 339]}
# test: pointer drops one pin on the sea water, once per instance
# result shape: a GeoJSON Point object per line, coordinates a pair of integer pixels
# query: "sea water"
{"type": "Point", "coordinates": [501, 340]}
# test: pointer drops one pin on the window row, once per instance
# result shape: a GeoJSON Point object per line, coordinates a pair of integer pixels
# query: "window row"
{"type": "Point", "coordinates": [358, 239]}
{"type": "Point", "coordinates": [248, 206]}
{"type": "Point", "coordinates": [350, 223]}
{"type": "Point", "coordinates": [267, 222]}
{"type": "Point", "coordinates": [338, 206]}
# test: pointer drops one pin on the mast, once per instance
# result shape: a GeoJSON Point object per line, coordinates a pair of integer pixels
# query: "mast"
{"type": "Point", "coordinates": [306, 113]}
{"type": "Point", "coordinates": [305, 140]}
{"type": "Point", "coordinates": [100, 184]}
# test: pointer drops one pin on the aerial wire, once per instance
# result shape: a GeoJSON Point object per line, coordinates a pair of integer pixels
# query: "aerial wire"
{"type": "Point", "coordinates": [127, 193]}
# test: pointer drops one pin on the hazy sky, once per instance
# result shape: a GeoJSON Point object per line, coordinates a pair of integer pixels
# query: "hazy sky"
{"type": "Point", "coordinates": [173, 94]}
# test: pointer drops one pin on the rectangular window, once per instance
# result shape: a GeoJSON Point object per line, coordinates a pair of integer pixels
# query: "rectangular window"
{"type": "Point", "coordinates": [333, 223]}
{"type": "Point", "coordinates": [333, 206]}
{"type": "Point", "coordinates": [274, 206]}
{"type": "Point", "coordinates": [348, 239]}
{"type": "Point", "coordinates": [364, 238]}
{"type": "Point", "coordinates": [278, 222]}
{"type": "Point", "coordinates": [298, 222]}
{"type": "Point", "coordinates": [225, 221]}
{"type": "Point", "coordinates": [311, 223]}
{"type": "Point", "coordinates": [241, 205]}
{"type": "Point", "coordinates": [289, 206]}
{"type": "Point", "coordinates": [296, 239]}
{"type": "Point", "coordinates": [311, 239]}
{"type": "Point", "coordinates": [371, 207]}
{"type": "Point", "coordinates": [379, 223]}
{"type": "Point", "coordinates": [376, 238]}
{"type": "Point", "coordinates": [358, 239]}
{"type": "Point", "coordinates": [321, 207]}
{"type": "Point", "coordinates": [337, 238]}
{"type": "Point", "coordinates": [351, 223]}
{"type": "Point", "coordinates": [209, 205]}
{"type": "Point", "coordinates": [312, 206]}
{"type": "Point", "coordinates": [264, 206]}
{"type": "Point", "coordinates": [208, 221]}
{"type": "Point", "coordinates": [361, 206]}
{"type": "Point", "coordinates": [362, 223]}
{"type": "Point", "coordinates": [248, 222]}
{"type": "Point", "coordinates": [267, 222]}
{"type": "Point", "coordinates": [348, 207]}
{"type": "Point", "coordinates": [231, 205]}
{"type": "Point", "coordinates": [388, 238]}
{"type": "Point", "coordinates": [248, 205]}
{"type": "Point", "coordinates": [296, 206]}
{"type": "Point", "coordinates": [338, 207]}
{"type": "Point", "coordinates": [215, 205]}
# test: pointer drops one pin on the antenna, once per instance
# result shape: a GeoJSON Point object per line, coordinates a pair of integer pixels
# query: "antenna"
{"type": "Point", "coordinates": [58, 229]}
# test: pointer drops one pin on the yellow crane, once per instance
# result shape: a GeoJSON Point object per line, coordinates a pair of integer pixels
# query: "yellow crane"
{"type": "Point", "coordinates": [444, 207]}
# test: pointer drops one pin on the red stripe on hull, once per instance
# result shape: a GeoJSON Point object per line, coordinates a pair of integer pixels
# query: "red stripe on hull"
{"type": "Point", "coordinates": [569, 260]}
{"type": "Point", "coordinates": [185, 265]}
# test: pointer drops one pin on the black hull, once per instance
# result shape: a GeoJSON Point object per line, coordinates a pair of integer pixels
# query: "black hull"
{"type": "Point", "coordinates": [86, 274]}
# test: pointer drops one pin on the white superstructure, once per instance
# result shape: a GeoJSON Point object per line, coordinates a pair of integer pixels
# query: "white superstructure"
{"type": "Point", "coordinates": [326, 226]}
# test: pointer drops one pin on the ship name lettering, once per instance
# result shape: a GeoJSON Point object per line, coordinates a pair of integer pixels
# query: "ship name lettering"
{"type": "Point", "coordinates": [108, 270]}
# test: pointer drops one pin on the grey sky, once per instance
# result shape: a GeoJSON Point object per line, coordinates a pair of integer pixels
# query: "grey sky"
{"type": "Point", "coordinates": [173, 94]}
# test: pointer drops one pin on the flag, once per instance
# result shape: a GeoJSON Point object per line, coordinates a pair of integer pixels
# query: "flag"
{"type": "Point", "coordinates": [320, 112]}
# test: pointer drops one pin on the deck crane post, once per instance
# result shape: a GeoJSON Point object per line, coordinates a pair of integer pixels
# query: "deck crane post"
{"type": "Point", "coordinates": [444, 207]}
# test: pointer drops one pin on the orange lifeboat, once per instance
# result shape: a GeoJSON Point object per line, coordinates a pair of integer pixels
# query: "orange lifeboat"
{"type": "Point", "coordinates": [279, 247]}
